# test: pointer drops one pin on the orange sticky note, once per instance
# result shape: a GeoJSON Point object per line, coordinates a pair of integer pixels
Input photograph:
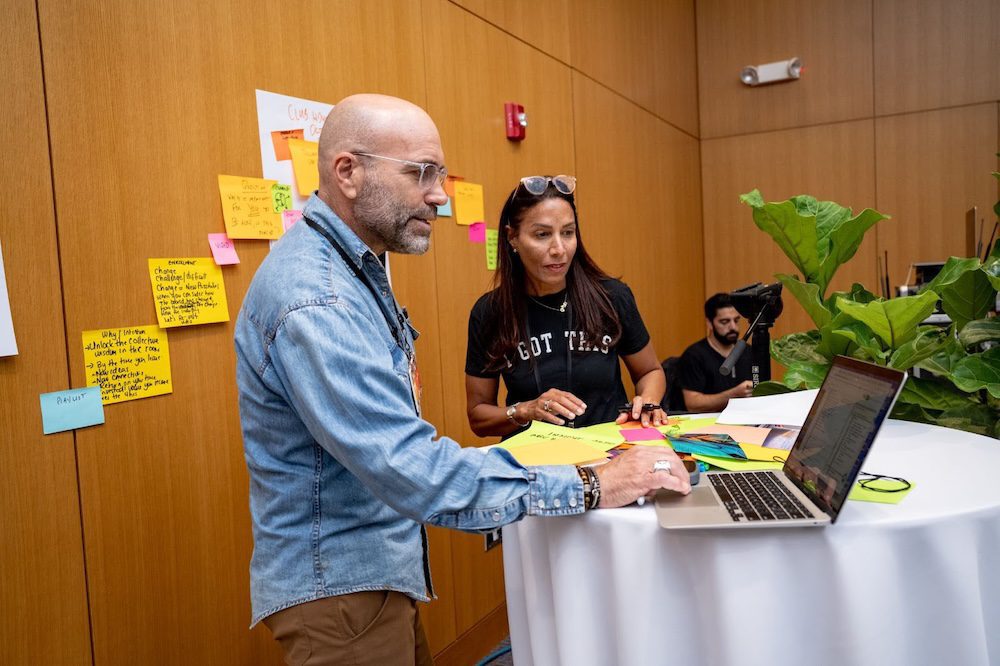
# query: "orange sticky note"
{"type": "Point", "coordinates": [305, 159]}
{"type": "Point", "coordinates": [280, 140]}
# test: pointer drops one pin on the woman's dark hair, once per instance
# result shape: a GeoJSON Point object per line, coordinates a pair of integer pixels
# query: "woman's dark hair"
{"type": "Point", "coordinates": [592, 309]}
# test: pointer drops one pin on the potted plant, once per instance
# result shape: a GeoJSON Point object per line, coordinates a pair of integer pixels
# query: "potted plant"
{"type": "Point", "coordinates": [954, 377]}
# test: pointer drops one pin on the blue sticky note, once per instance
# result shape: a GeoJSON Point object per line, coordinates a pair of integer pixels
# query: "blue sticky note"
{"type": "Point", "coordinates": [445, 210]}
{"type": "Point", "coordinates": [68, 410]}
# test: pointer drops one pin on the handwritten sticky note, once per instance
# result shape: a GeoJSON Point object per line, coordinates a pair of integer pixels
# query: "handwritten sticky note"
{"type": "Point", "coordinates": [492, 237]}
{"type": "Point", "coordinates": [643, 435]}
{"type": "Point", "coordinates": [72, 409]}
{"type": "Point", "coordinates": [279, 138]}
{"type": "Point", "coordinates": [290, 217]}
{"type": "Point", "coordinates": [477, 232]}
{"type": "Point", "coordinates": [248, 207]}
{"type": "Point", "coordinates": [188, 292]}
{"type": "Point", "coordinates": [468, 203]}
{"type": "Point", "coordinates": [223, 250]}
{"type": "Point", "coordinates": [305, 158]}
{"type": "Point", "coordinates": [555, 452]}
{"type": "Point", "coordinates": [8, 344]}
{"type": "Point", "coordinates": [445, 210]}
{"type": "Point", "coordinates": [281, 197]}
{"type": "Point", "coordinates": [127, 363]}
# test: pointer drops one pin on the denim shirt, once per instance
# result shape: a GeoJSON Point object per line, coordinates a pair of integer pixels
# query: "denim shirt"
{"type": "Point", "coordinates": [343, 472]}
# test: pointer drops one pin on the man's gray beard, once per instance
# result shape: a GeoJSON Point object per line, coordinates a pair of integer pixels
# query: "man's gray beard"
{"type": "Point", "coordinates": [387, 219]}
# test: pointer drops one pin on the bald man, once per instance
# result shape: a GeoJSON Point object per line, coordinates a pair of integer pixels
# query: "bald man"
{"type": "Point", "coordinates": [344, 473]}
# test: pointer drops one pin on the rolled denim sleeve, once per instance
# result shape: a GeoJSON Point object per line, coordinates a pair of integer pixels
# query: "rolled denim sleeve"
{"type": "Point", "coordinates": [350, 386]}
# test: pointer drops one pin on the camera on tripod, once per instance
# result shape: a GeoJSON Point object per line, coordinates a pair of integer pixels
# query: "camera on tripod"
{"type": "Point", "coordinates": [760, 304]}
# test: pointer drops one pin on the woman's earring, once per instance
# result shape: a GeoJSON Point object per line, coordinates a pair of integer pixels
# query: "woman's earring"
{"type": "Point", "coordinates": [514, 249]}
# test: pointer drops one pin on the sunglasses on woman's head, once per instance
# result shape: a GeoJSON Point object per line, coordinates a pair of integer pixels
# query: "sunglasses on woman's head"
{"type": "Point", "coordinates": [538, 184]}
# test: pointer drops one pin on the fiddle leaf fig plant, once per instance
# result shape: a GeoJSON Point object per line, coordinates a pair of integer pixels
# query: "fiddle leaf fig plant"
{"type": "Point", "coordinates": [954, 371]}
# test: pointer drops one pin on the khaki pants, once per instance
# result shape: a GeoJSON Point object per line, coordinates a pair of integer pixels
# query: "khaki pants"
{"type": "Point", "coordinates": [357, 629]}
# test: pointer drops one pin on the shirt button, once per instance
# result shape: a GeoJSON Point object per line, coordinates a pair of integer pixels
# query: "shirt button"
{"type": "Point", "coordinates": [556, 503]}
{"type": "Point", "coordinates": [541, 504]}
{"type": "Point", "coordinates": [572, 501]}
{"type": "Point", "coordinates": [496, 516]}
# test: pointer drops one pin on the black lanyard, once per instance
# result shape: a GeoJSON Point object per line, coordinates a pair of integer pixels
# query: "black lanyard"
{"type": "Point", "coordinates": [398, 333]}
{"type": "Point", "coordinates": [569, 353]}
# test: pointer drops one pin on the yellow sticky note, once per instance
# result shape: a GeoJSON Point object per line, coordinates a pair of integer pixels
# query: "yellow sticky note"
{"type": "Point", "coordinates": [305, 160]}
{"type": "Point", "coordinates": [754, 452]}
{"type": "Point", "coordinates": [555, 452]}
{"type": "Point", "coordinates": [492, 237]}
{"type": "Point", "coordinates": [734, 465]}
{"type": "Point", "coordinates": [248, 207]}
{"type": "Point", "coordinates": [188, 291]}
{"type": "Point", "coordinates": [468, 203]}
{"type": "Point", "coordinates": [127, 363]}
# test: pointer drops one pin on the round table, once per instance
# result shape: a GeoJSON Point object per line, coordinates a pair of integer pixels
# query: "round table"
{"type": "Point", "coordinates": [913, 583]}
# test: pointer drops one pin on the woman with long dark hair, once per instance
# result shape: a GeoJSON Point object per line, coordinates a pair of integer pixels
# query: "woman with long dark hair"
{"type": "Point", "coordinates": [554, 326]}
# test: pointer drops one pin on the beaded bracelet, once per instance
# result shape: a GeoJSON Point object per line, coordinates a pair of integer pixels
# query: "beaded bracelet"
{"type": "Point", "coordinates": [591, 487]}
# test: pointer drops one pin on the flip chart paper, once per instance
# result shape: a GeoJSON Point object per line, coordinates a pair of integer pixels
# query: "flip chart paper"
{"type": "Point", "coordinates": [788, 409]}
{"type": "Point", "coordinates": [223, 250]}
{"type": "Point", "coordinates": [555, 452]}
{"type": "Point", "coordinates": [283, 113]}
{"type": "Point", "coordinates": [305, 159]}
{"type": "Point", "coordinates": [445, 210]}
{"type": "Point", "coordinates": [477, 232]}
{"type": "Point", "coordinates": [492, 236]}
{"type": "Point", "coordinates": [127, 363]}
{"type": "Point", "coordinates": [8, 345]}
{"type": "Point", "coordinates": [279, 138]}
{"type": "Point", "coordinates": [248, 207]}
{"type": "Point", "coordinates": [188, 292]}
{"type": "Point", "coordinates": [468, 203]}
{"type": "Point", "coordinates": [72, 409]}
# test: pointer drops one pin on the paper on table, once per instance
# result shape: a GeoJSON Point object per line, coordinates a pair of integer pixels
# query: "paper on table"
{"type": "Point", "coordinates": [733, 465]}
{"type": "Point", "coordinates": [742, 434]}
{"type": "Point", "coordinates": [547, 432]}
{"type": "Point", "coordinates": [755, 452]}
{"type": "Point", "coordinates": [643, 436]}
{"type": "Point", "coordinates": [687, 425]}
{"type": "Point", "coordinates": [556, 452]}
{"type": "Point", "coordinates": [784, 409]}
{"type": "Point", "coordinates": [865, 495]}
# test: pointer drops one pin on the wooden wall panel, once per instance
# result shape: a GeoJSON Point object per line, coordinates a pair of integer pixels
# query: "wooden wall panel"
{"type": "Point", "coordinates": [472, 68]}
{"type": "Point", "coordinates": [149, 102]}
{"type": "Point", "coordinates": [829, 162]}
{"type": "Point", "coordinates": [640, 210]}
{"type": "Point", "coordinates": [642, 49]}
{"type": "Point", "coordinates": [833, 38]}
{"type": "Point", "coordinates": [935, 53]}
{"type": "Point", "coordinates": [544, 25]}
{"type": "Point", "coordinates": [932, 167]}
{"type": "Point", "coordinates": [43, 597]}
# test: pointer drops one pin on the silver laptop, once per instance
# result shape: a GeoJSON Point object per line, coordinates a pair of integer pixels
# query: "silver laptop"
{"type": "Point", "coordinates": [852, 404]}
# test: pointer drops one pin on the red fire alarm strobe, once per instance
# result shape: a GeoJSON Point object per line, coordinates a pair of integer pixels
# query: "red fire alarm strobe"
{"type": "Point", "coordinates": [516, 121]}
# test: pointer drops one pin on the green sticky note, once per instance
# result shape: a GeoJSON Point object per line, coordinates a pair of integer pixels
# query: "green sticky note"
{"type": "Point", "coordinates": [866, 495]}
{"type": "Point", "coordinates": [281, 197]}
{"type": "Point", "coordinates": [492, 237]}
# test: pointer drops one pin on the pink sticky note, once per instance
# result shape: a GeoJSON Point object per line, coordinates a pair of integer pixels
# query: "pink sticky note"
{"type": "Point", "coordinates": [477, 232]}
{"type": "Point", "coordinates": [641, 434]}
{"type": "Point", "coordinates": [223, 249]}
{"type": "Point", "coordinates": [290, 217]}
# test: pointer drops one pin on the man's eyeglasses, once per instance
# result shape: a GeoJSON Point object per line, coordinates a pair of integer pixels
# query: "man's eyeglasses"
{"type": "Point", "coordinates": [429, 173]}
{"type": "Point", "coordinates": [538, 184]}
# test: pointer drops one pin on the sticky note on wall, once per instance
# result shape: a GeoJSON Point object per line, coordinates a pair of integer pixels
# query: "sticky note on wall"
{"type": "Point", "coordinates": [305, 159]}
{"type": "Point", "coordinates": [248, 207]}
{"type": "Point", "coordinates": [468, 203]}
{"type": "Point", "coordinates": [72, 409]}
{"type": "Point", "coordinates": [491, 249]}
{"type": "Point", "coordinates": [279, 139]}
{"type": "Point", "coordinates": [127, 363]}
{"type": "Point", "coordinates": [188, 291]}
{"type": "Point", "coordinates": [223, 250]}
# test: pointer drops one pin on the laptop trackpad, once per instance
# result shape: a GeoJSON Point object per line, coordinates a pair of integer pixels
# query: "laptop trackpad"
{"type": "Point", "coordinates": [698, 507]}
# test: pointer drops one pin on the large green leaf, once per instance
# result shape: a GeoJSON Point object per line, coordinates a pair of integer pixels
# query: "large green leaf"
{"type": "Point", "coordinates": [845, 238]}
{"type": "Point", "coordinates": [943, 361]}
{"type": "Point", "coordinates": [803, 375]}
{"type": "Point", "coordinates": [981, 330]}
{"type": "Point", "coordinates": [795, 234]}
{"type": "Point", "coordinates": [931, 393]}
{"type": "Point", "coordinates": [807, 294]}
{"type": "Point", "coordinates": [893, 321]}
{"type": "Point", "coordinates": [867, 346]}
{"type": "Point", "coordinates": [992, 266]}
{"type": "Point", "coordinates": [978, 371]}
{"type": "Point", "coordinates": [929, 341]}
{"type": "Point", "coordinates": [907, 411]}
{"type": "Point", "coordinates": [857, 294]}
{"type": "Point", "coordinates": [833, 343]}
{"type": "Point", "coordinates": [967, 292]}
{"type": "Point", "coordinates": [797, 347]}
{"type": "Point", "coordinates": [770, 388]}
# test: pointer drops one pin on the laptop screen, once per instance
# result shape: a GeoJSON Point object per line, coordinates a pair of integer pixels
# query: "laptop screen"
{"type": "Point", "coordinates": [849, 410]}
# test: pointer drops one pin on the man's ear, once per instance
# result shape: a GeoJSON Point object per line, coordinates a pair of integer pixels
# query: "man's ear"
{"type": "Point", "coordinates": [347, 174]}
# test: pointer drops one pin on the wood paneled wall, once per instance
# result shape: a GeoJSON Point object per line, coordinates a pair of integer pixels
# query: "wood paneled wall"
{"type": "Point", "coordinates": [130, 542]}
{"type": "Point", "coordinates": [896, 110]}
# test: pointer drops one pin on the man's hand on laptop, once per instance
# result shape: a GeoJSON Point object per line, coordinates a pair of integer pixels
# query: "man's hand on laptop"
{"type": "Point", "coordinates": [631, 475]}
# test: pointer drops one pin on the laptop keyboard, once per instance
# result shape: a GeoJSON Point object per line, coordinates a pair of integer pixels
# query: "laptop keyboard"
{"type": "Point", "coordinates": [750, 496]}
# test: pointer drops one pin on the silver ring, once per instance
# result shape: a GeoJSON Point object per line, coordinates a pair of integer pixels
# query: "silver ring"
{"type": "Point", "coordinates": [545, 406]}
{"type": "Point", "coordinates": [661, 466]}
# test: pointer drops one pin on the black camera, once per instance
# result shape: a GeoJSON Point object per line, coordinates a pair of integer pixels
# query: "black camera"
{"type": "Point", "coordinates": [760, 304]}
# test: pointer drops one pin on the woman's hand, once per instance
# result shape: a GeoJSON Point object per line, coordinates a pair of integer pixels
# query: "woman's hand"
{"type": "Point", "coordinates": [553, 406]}
{"type": "Point", "coordinates": [654, 418]}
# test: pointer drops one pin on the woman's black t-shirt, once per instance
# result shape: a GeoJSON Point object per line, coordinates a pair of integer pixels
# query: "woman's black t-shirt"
{"type": "Point", "coordinates": [596, 373]}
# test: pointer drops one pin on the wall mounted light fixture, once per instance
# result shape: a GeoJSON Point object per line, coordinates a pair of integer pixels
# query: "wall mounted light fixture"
{"type": "Point", "coordinates": [772, 72]}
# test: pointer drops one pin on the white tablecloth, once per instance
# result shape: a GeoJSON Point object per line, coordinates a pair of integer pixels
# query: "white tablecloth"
{"type": "Point", "coordinates": [913, 583]}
